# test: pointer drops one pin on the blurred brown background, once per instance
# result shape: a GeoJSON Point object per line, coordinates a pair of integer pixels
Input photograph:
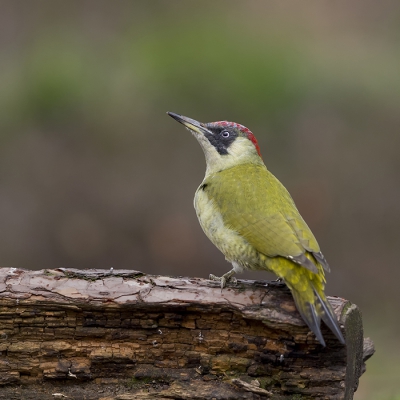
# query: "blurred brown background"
{"type": "Point", "coordinates": [94, 174]}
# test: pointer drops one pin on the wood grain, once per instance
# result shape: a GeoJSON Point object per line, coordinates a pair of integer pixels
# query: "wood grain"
{"type": "Point", "coordinates": [97, 334]}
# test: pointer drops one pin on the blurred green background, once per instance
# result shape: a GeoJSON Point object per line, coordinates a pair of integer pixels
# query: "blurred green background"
{"type": "Point", "coordinates": [94, 174]}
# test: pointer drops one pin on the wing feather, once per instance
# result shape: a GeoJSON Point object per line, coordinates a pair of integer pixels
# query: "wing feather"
{"type": "Point", "coordinates": [260, 208]}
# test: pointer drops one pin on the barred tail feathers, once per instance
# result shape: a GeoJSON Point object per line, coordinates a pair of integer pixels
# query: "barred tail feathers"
{"type": "Point", "coordinates": [328, 316]}
{"type": "Point", "coordinates": [308, 293]}
{"type": "Point", "coordinates": [309, 314]}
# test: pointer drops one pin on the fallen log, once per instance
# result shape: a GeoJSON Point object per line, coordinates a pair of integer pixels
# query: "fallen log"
{"type": "Point", "coordinates": [97, 334]}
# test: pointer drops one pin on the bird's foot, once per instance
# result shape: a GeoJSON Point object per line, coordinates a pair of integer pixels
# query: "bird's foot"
{"type": "Point", "coordinates": [221, 279]}
{"type": "Point", "coordinates": [277, 282]}
{"type": "Point", "coordinates": [224, 279]}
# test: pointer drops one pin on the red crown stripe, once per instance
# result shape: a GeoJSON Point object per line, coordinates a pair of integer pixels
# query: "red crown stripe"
{"type": "Point", "coordinates": [243, 129]}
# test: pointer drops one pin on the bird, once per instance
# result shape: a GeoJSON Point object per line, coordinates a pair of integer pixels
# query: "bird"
{"type": "Point", "coordinates": [251, 218]}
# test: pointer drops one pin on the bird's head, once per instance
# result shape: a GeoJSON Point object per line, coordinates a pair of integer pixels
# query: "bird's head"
{"type": "Point", "coordinates": [225, 144]}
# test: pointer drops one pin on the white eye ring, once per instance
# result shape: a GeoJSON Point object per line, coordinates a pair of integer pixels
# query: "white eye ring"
{"type": "Point", "coordinates": [225, 134]}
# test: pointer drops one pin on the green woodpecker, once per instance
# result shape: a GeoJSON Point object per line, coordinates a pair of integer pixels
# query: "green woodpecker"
{"type": "Point", "coordinates": [252, 219]}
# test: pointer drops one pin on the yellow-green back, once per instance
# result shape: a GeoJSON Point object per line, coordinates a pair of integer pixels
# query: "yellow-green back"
{"type": "Point", "coordinates": [256, 205]}
{"type": "Point", "coordinates": [253, 203]}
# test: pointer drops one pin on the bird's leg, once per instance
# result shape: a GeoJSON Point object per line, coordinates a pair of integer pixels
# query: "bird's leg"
{"type": "Point", "coordinates": [224, 278]}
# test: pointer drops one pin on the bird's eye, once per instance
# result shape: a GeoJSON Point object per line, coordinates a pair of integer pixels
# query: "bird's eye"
{"type": "Point", "coordinates": [225, 134]}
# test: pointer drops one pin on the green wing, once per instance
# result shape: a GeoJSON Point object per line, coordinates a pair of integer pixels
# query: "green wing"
{"type": "Point", "coordinates": [256, 205]}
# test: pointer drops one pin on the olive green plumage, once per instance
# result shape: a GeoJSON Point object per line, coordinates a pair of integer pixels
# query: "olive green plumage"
{"type": "Point", "coordinates": [253, 203]}
{"type": "Point", "coordinates": [249, 215]}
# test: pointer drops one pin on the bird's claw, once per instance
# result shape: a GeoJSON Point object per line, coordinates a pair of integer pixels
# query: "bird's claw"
{"type": "Point", "coordinates": [223, 282]}
{"type": "Point", "coordinates": [223, 279]}
{"type": "Point", "coordinates": [277, 282]}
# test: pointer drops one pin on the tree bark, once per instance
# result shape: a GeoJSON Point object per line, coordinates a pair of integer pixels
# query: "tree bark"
{"type": "Point", "coordinates": [97, 334]}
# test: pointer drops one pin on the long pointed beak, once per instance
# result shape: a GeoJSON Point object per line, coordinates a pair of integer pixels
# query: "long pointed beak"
{"type": "Point", "coordinates": [190, 123]}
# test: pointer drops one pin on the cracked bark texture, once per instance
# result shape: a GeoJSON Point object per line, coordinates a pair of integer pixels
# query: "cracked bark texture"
{"type": "Point", "coordinates": [97, 334]}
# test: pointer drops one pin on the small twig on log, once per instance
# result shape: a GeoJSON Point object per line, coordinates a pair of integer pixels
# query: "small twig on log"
{"type": "Point", "coordinates": [251, 387]}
